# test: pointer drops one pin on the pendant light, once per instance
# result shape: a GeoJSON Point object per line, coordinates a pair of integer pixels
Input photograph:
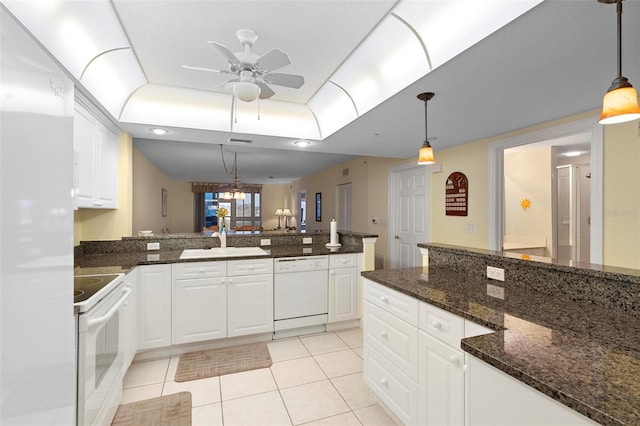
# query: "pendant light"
{"type": "Point", "coordinates": [425, 155]}
{"type": "Point", "coordinates": [620, 103]}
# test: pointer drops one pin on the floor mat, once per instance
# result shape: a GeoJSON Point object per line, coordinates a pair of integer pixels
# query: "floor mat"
{"type": "Point", "coordinates": [174, 410]}
{"type": "Point", "coordinates": [218, 362]}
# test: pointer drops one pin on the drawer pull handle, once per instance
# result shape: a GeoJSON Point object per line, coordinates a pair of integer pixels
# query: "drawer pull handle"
{"type": "Point", "coordinates": [384, 382]}
{"type": "Point", "coordinates": [201, 270]}
{"type": "Point", "coordinates": [465, 368]}
{"type": "Point", "coordinates": [251, 267]}
{"type": "Point", "coordinates": [453, 359]}
{"type": "Point", "coordinates": [384, 334]}
{"type": "Point", "coordinates": [230, 280]}
{"type": "Point", "coordinates": [384, 299]}
{"type": "Point", "coordinates": [436, 324]}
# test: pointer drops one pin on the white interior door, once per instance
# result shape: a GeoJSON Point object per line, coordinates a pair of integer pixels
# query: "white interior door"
{"type": "Point", "coordinates": [344, 207]}
{"type": "Point", "coordinates": [408, 216]}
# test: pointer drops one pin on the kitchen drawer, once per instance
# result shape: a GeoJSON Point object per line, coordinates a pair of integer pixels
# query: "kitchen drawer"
{"type": "Point", "coordinates": [398, 392]}
{"type": "Point", "coordinates": [249, 267]}
{"type": "Point", "coordinates": [441, 324]}
{"type": "Point", "coordinates": [199, 270]}
{"type": "Point", "coordinates": [394, 338]}
{"type": "Point", "coordinates": [403, 306]}
{"type": "Point", "coordinates": [343, 260]}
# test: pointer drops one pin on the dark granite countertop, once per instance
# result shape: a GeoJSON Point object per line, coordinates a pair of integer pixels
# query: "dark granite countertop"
{"type": "Point", "coordinates": [109, 263]}
{"type": "Point", "coordinates": [585, 356]}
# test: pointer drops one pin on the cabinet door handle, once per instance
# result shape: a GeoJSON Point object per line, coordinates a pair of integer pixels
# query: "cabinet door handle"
{"type": "Point", "coordinates": [453, 359]}
{"type": "Point", "coordinates": [251, 267]}
{"type": "Point", "coordinates": [230, 280]}
{"type": "Point", "coordinates": [383, 299]}
{"type": "Point", "coordinates": [333, 272]}
{"type": "Point", "coordinates": [436, 324]}
{"type": "Point", "coordinates": [384, 334]}
{"type": "Point", "coordinates": [465, 368]}
{"type": "Point", "coordinates": [202, 270]}
{"type": "Point", "coordinates": [384, 382]}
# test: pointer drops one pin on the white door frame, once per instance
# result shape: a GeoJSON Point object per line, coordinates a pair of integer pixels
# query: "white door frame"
{"type": "Point", "coordinates": [391, 229]}
{"type": "Point", "coordinates": [496, 178]}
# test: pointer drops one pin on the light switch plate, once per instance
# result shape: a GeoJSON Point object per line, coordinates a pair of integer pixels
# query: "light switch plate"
{"type": "Point", "coordinates": [153, 246]}
{"type": "Point", "coordinates": [307, 240]}
{"type": "Point", "coordinates": [265, 242]}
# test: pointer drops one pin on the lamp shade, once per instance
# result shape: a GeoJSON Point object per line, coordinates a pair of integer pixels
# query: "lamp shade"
{"type": "Point", "coordinates": [287, 212]}
{"type": "Point", "coordinates": [246, 91]}
{"type": "Point", "coordinates": [620, 105]}
{"type": "Point", "coordinates": [278, 212]}
{"type": "Point", "coordinates": [425, 156]}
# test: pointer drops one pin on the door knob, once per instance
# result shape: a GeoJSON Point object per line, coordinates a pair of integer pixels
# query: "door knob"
{"type": "Point", "coordinates": [396, 237]}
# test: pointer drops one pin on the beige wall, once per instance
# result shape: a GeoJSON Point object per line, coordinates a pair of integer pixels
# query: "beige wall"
{"type": "Point", "coordinates": [181, 207]}
{"type": "Point", "coordinates": [527, 174]}
{"type": "Point", "coordinates": [621, 216]}
{"type": "Point", "coordinates": [272, 199]}
{"type": "Point", "coordinates": [472, 160]}
{"type": "Point", "coordinates": [148, 182]}
{"type": "Point", "coordinates": [369, 181]}
{"type": "Point", "coordinates": [98, 224]}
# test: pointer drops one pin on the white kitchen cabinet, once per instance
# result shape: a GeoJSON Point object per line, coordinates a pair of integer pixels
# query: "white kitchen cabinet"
{"type": "Point", "coordinates": [96, 160]}
{"type": "Point", "coordinates": [199, 302]}
{"type": "Point", "coordinates": [441, 381]}
{"type": "Point", "coordinates": [343, 287]}
{"type": "Point", "coordinates": [391, 349]}
{"type": "Point", "coordinates": [154, 306]}
{"type": "Point", "coordinates": [130, 319]}
{"type": "Point", "coordinates": [495, 398]}
{"type": "Point", "coordinates": [249, 296]}
{"type": "Point", "coordinates": [250, 304]}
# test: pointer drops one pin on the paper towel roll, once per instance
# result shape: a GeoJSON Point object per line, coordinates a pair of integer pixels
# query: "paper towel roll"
{"type": "Point", "coordinates": [334, 232]}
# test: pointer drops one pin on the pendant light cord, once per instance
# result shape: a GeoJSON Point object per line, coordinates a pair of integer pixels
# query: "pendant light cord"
{"type": "Point", "coordinates": [619, 16]}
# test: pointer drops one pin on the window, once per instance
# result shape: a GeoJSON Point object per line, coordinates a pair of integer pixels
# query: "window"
{"type": "Point", "coordinates": [242, 213]}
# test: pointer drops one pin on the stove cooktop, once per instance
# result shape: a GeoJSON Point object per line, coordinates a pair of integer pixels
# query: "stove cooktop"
{"type": "Point", "coordinates": [87, 286]}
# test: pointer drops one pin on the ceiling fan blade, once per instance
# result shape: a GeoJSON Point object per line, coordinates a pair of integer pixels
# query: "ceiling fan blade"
{"type": "Point", "coordinates": [190, 67]}
{"type": "Point", "coordinates": [224, 50]}
{"type": "Point", "coordinates": [273, 59]}
{"type": "Point", "coordinates": [287, 80]}
{"type": "Point", "coordinates": [265, 91]}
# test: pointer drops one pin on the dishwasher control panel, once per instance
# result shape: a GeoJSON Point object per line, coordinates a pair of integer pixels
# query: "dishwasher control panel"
{"type": "Point", "coordinates": [300, 264]}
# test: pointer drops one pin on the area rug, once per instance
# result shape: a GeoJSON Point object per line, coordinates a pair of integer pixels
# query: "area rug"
{"type": "Point", "coordinates": [174, 410]}
{"type": "Point", "coordinates": [218, 362]}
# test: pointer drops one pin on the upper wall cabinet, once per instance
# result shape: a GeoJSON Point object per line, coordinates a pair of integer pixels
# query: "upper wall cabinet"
{"type": "Point", "coordinates": [95, 161]}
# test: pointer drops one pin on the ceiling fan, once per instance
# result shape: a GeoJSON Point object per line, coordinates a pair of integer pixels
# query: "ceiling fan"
{"type": "Point", "coordinates": [252, 73]}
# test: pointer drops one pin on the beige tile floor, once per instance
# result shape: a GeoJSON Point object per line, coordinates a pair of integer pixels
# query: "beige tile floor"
{"type": "Point", "coordinates": [314, 380]}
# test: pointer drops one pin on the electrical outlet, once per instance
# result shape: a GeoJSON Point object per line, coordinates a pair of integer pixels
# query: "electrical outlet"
{"type": "Point", "coordinates": [307, 250]}
{"type": "Point", "coordinates": [495, 273]}
{"type": "Point", "coordinates": [307, 240]}
{"type": "Point", "coordinates": [495, 291]}
{"type": "Point", "coordinates": [153, 257]}
{"type": "Point", "coordinates": [153, 246]}
{"type": "Point", "coordinates": [265, 242]}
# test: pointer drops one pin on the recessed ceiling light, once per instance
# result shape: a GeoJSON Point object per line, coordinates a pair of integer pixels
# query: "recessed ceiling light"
{"type": "Point", "coordinates": [302, 143]}
{"type": "Point", "coordinates": [158, 131]}
{"type": "Point", "coordinates": [572, 153]}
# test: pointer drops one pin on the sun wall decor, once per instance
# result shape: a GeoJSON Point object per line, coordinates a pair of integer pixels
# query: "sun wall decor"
{"type": "Point", "coordinates": [525, 203]}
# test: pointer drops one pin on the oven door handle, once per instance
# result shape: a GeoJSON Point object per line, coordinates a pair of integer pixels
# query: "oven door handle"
{"type": "Point", "coordinates": [106, 317]}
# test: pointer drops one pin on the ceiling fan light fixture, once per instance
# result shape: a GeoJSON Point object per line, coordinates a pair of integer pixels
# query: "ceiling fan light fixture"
{"type": "Point", "coordinates": [246, 91]}
{"type": "Point", "coordinates": [620, 103]}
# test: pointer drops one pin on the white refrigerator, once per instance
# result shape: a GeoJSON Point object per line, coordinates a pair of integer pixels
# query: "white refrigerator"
{"type": "Point", "coordinates": [37, 330]}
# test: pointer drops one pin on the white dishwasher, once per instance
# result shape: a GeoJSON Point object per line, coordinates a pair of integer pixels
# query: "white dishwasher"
{"type": "Point", "coordinates": [301, 292]}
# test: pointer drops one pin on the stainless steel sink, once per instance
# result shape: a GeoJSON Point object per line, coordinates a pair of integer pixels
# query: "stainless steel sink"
{"type": "Point", "coordinates": [222, 252]}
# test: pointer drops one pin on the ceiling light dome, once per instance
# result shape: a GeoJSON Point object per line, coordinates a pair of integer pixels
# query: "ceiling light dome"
{"type": "Point", "coordinates": [246, 91]}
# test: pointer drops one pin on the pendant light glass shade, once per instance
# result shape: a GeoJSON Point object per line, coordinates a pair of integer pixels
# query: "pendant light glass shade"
{"type": "Point", "coordinates": [619, 106]}
{"type": "Point", "coordinates": [620, 103]}
{"type": "Point", "coordinates": [425, 155]}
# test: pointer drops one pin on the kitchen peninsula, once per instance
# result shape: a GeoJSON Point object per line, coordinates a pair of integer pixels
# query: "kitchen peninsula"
{"type": "Point", "coordinates": [571, 333]}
